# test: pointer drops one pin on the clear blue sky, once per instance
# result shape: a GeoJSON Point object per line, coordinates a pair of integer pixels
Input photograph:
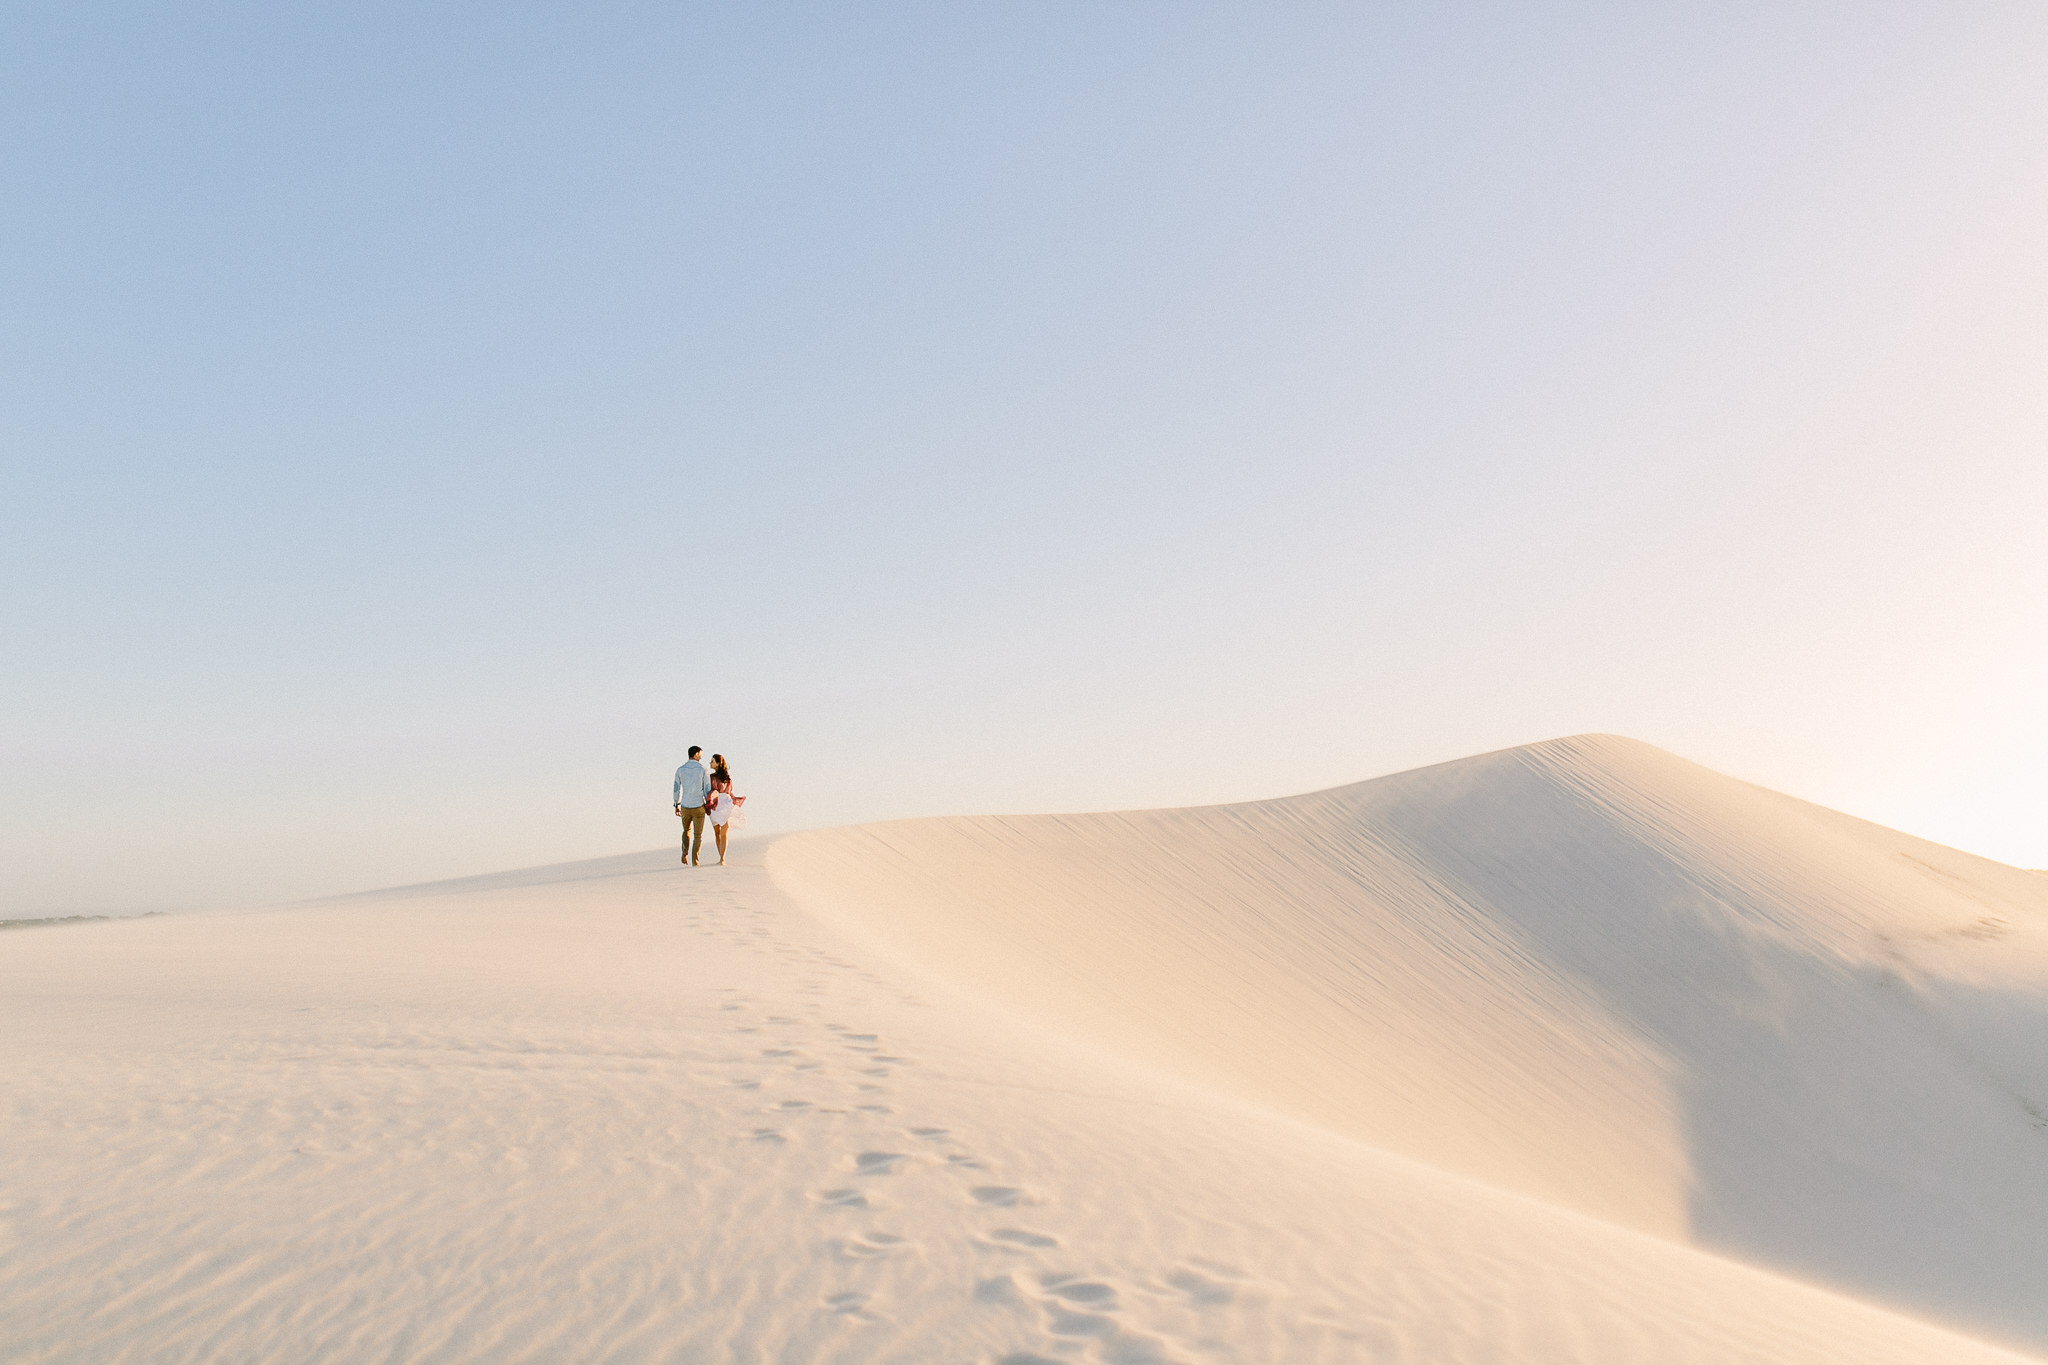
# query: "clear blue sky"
{"type": "Point", "coordinates": [418, 422]}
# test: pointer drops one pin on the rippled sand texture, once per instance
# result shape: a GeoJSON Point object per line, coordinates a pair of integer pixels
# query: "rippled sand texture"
{"type": "Point", "coordinates": [624, 1112]}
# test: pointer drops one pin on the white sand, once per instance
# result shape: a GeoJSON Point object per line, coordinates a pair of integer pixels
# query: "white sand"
{"type": "Point", "coordinates": [624, 1112]}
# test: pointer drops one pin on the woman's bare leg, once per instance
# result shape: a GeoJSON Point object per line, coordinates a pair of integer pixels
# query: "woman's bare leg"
{"type": "Point", "coordinates": [720, 831]}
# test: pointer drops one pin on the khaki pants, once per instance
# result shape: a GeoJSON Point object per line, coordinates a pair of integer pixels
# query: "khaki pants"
{"type": "Point", "coordinates": [693, 832]}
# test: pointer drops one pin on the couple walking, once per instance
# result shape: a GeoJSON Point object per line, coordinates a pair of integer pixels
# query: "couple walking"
{"type": "Point", "coordinates": [696, 792]}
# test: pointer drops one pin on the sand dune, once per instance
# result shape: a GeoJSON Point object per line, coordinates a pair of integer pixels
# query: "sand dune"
{"type": "Point", "coordinates": [622, 1112]}
{"type": "Point", "coordinates": [1585, 970]}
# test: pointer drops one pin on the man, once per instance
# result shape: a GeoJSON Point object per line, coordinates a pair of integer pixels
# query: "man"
{"type": "Point", "coordinates": [693, 786]}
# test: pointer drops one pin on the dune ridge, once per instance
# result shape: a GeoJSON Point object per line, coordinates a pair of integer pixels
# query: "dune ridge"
{"type": "Point", "coordinates": [1584, 970]}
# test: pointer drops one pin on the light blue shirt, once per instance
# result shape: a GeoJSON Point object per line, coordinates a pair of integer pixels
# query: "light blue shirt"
{"type": "Point", "coordinates": [693, 784]}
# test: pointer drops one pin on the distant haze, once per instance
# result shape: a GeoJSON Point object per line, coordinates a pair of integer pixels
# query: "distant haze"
{"type": "Point", "coordinates": [418, 424]}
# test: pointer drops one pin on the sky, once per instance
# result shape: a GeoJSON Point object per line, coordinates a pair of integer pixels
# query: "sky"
{"type": "Point", "coordinates": [419, 422]}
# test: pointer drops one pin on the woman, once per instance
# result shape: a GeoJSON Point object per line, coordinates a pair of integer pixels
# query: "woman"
{"type": "Point", "coordinates": [724, 806]}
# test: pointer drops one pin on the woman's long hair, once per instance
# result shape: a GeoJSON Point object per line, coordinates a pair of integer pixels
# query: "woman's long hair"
{"type": "Point", "coordinates": [719, 772]}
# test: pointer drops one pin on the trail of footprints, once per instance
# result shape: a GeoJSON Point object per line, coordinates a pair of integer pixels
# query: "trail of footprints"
{"type": "Point", "coordinates": [1074, 1310]}
{"type": "Point", "coordinates": [716, 912]}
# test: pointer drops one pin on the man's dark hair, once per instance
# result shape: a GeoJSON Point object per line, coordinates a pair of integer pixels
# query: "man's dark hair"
{"type": "Point", "coordinates": [696, 749]}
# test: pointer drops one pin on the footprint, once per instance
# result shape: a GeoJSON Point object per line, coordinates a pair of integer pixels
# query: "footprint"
{"type": "Point", "coordinates": [929, 1133]}
{"type": "Point", "coordinates": [961, 1161]}
{"type": "Point", "coordinates": [1063, 1322]}
{"type": "Point", "coordinates": [875, 1109]}
{"type": "Point", "coordinates": [848, 1303]}
{"type": "Point", "coordinates": [997, 1196]}
{"type": "Point", "coordinates": [1001, 1289]}
{"type": "Point", "coordinates": [868, 1246]}
{"type": "Point", "coordinates": [1026, 1358]}
{"type": "Point", "coordinates": [877, 1163]}
{"type": "Point", "coordinates": [778, 1052]}
{"type": "Point", "coordinates": [794, 1106]}
{"type": "Point", "coordinates": [843, 1199]}
{"type": "Point", "coordinates": [1021, 1237]}
{"type": "Point", "coordinates": [1202, 1291]}
{"type": "Point", "coordinates": [1079, 1308]}
{"type": "Point", "coordinates": [1090, 1292]}
{"type": "Point", "coordinates": [769, 1135]}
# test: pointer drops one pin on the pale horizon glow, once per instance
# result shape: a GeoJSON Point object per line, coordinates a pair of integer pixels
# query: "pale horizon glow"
{"type": "Point", "coordinates": [417, 427]}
